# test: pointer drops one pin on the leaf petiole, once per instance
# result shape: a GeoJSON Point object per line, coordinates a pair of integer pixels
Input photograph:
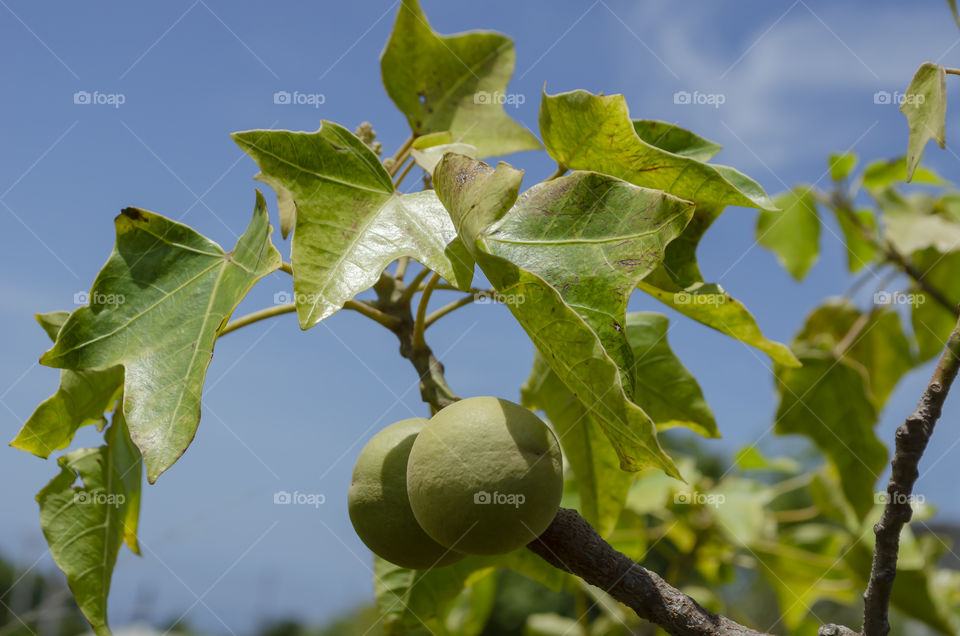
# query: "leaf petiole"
{"type": "Point", "coordinates": [420, 324]}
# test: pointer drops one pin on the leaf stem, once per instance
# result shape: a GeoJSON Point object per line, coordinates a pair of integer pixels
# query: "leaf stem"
{"type": "Point", "coordinates": [402, 263]}
{"type": "Point", "coordinates": [358, 306]}
{"type": "Point", "coordinates": [400, 156]}
{"type": "Point", "coordinates": [789, 485]}
{"type": "Point", "coordinates": [559, 172]}
{"type": "Point", "coordinates": [371, 312]}
{"type": "Point", "coordinates": [446, 309]}
{"type": "Point", "coordinates": [852, 334]}
{"type": "Point", "coordinates": [403, 174]}
{"type": "Point", "coordinates": [257, 316]}
{"type": "Point", "coordinates": [286, 267]}
{"type": "Point", "coordinates": [414, 285]}
{"type": "Point", "coordinates": [951, 71]}
{"type": "Point", "coordinates": [420, 324]}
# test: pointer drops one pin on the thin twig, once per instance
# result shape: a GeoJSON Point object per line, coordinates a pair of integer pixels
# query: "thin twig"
{"type": "Point", "coordinates": [559, 172]}
{"type": "Point", "coordinates": [446, 309]}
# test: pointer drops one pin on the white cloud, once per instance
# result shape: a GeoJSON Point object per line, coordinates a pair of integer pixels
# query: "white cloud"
{"type": "Point", "coordinates": [804, 85]}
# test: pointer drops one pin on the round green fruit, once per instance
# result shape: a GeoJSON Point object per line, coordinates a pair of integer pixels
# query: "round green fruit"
{"type": "Point", "coordinates": [379, 507]}
{"type": "Point", "coordinates": [485, 476]}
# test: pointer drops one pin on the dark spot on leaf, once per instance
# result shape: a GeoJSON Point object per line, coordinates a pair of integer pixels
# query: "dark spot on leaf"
{"type": "Point", "coordinates": [132, 213]}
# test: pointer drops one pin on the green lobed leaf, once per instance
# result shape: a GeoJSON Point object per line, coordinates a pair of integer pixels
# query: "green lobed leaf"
{"type": "Point", "coordinates": [583, 131]}
{"type": "Point", "coordinates": [916, 222]}
{"type": "Point", "coordinates": [602, 485]}
{"type": "Point", "coordinates": [159, 302]}
{"type": "Point", "coordinates": [801, 576]}
{"type": "Point", "coordinates": [51, 322]}
{"type": "Point", "coordinates": [82, 398]}
{"type": "Point", "coordinates": [679, 284]}
{"type": "Point", "coordinates": [881, 348]}
{"type": "Point", "coordinates": [828, 401]}
{"type": "Point", "coordinates": [665, 389]}
{"type": "Point", "coordinates": [860, 251]}
{"type": "Point", "coordinates": [286, 206]}
{"type": "Point", "coordinates": [841, 165]}
{"type": "Point", "coordinates": [432, 139]}
{"type": "Point", "coordinates": [743, 513]}
{"type": "Point", "coordinates": [453, 83]}
{"type": "Point", "coordinates": [925, 106]}
{"type": "Point", "coordinates": [794, 233]}
{"type": "Point", "coordinates": [592, 238]}
{"type": "Point", "coordinates": [409, 598]}
{"type": "Point", "coordinates": [481, 202]}
{"type": "Point", "coordinates": [470, 612]}
{"type": "Point", "coordinates": [675, 139]}
{"type": "Point", "coordinates": [932, 322]}
{"type": "Point", "coordinates": [350, 223]}
{"type": "Point", "coordinates": [85, 525]}
{"type": "Point", "coordinates": [750, 458]}
{"type": "Point", "coordinates": [882, 173]}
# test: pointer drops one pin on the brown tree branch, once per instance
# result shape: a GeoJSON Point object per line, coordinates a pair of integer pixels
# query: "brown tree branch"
{"type": "Point", "coordinates": [572, 545]}
{"type": "Point", "coordinates": [911, 441]}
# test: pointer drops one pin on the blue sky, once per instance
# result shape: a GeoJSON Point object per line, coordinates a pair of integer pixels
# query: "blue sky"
{"type": "Point", "coordinates": [286, 410]}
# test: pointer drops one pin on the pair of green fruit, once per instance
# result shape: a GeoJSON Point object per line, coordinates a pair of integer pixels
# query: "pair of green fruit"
{"type": "Point", "coordinates": [482, 476]}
